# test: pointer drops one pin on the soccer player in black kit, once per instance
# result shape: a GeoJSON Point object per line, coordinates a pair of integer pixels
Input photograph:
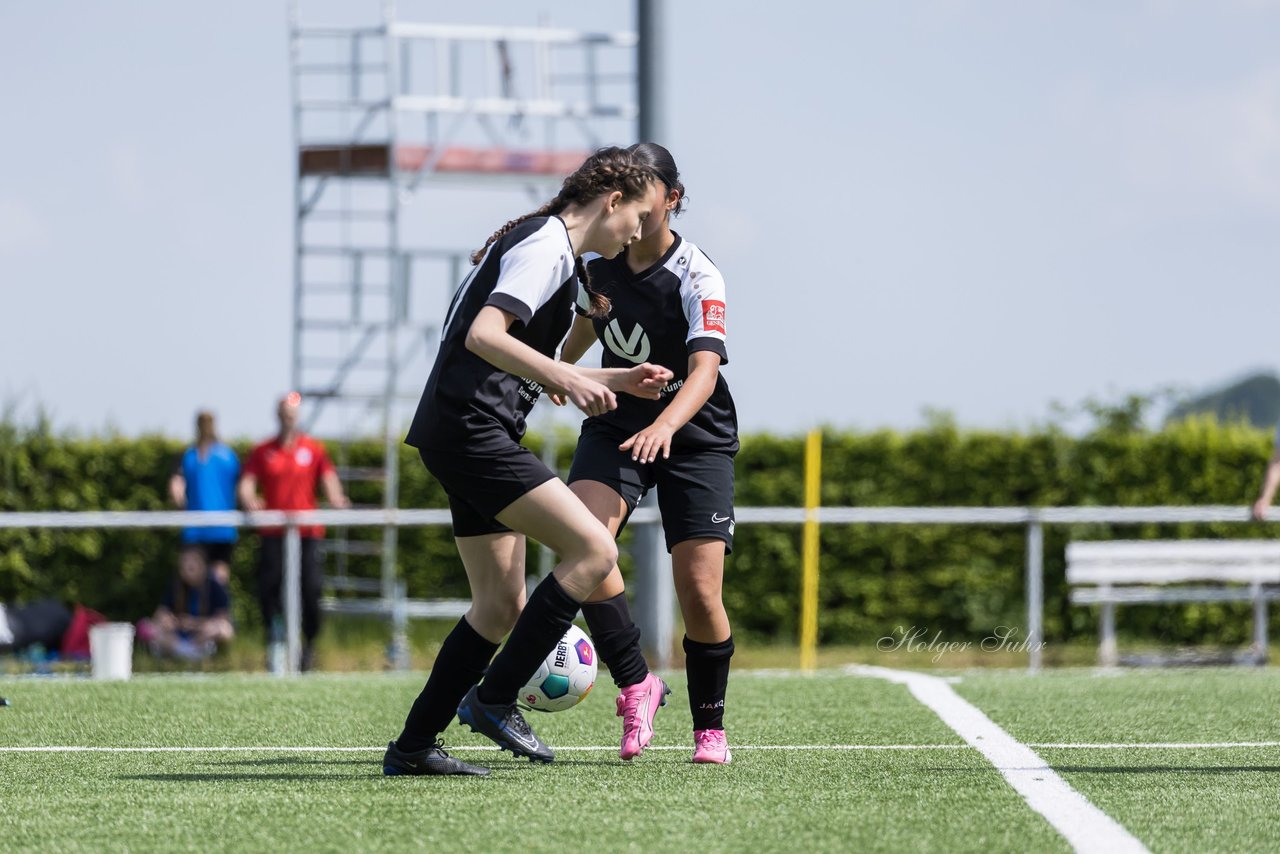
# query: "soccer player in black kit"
{"type": "Point", "coordinates": [496, 356]}
{"type": "Point", "coordinates": [666, 304]}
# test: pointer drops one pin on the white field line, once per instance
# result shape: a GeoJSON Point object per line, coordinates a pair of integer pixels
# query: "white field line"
{"type": "Point", "coordinates": [468, 747]}
{"type": "Point", "coordinates": [1084, 826]}
{"type": "Point", "coordinates": [1208, 745]}
{"type": "Point", "coordinates": [1157, 745]}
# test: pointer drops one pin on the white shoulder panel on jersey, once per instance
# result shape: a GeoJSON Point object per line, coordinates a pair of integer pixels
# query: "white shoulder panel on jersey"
{"type": "Point", "coordinates": [583, 304]}
{"type": "Point", "coordinates": [535, 268]}
{"type": "Point", "coordinates": [701, 292]}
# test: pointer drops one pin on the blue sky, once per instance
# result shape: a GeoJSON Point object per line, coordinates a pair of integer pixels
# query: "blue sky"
{"type": "Point", "coordinates": [982, 207]}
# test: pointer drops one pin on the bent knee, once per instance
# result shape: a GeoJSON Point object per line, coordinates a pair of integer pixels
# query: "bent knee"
{"type": "Point", "coordinates": [603, 554]}
{"type": "Point", "coordinates": [701, 597]}
{"type": "Point", "coordinates": [498, 616]}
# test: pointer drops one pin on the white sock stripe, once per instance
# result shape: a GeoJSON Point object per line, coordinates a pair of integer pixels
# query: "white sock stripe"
{"type": "Point", "coordinates": [1083, 825]}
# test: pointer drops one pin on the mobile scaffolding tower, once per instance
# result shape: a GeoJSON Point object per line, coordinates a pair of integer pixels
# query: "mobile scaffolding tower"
{"type": "Point", "coordinates": [383, 118]}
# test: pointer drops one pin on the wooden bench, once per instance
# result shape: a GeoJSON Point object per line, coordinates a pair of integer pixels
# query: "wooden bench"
{"type": "Point", "coordinates": [1130, 572]}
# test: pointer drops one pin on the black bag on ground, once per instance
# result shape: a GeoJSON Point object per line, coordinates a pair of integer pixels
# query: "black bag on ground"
{"type": "Point", "coordinates": [44, 622]}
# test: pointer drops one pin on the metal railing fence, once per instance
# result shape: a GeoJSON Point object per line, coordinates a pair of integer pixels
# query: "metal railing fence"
{"type": "Point", "coordinates": [1034, 519]}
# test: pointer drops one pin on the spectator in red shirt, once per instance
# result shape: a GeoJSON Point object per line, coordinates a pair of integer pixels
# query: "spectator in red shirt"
{"type": "Point", "coordinates": [288, 468]}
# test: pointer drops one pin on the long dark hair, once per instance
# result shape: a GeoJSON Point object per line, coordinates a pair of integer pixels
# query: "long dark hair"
{"type": "Point", "coordinates": [659, 159]}
{"type": "Point", "coordinates": [608, 170]}
{"type": "Point", "coordinates": [181, 591]}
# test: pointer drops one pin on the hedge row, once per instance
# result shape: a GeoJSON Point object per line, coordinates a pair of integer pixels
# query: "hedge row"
{"type": "Point", "coordinates": [961, 581]}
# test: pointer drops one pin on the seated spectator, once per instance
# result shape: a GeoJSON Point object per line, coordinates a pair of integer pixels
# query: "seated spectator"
{"type": "Point", "coordinates": [46, 630]}
{"type": "Point", "coordinates": [194, 614]}
{"type": "Point", "coordinates": [42, 623]}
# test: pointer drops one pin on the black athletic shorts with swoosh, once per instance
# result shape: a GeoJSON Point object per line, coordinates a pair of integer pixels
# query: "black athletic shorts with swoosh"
{"type": "Point", "coordinates": [695, 488]}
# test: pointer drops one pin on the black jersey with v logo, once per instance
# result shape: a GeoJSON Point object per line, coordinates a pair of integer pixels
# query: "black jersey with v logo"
{"type": "Point", "coordinates": [468, 403]}
{"type": "Point", "coordinates": [662, 315]}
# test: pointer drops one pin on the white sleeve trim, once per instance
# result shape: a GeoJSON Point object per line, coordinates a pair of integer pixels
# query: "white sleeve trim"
{"type": "Point", "coordinates": [535, 268]}
{"type": "Point", "coordinates": [702, 295]}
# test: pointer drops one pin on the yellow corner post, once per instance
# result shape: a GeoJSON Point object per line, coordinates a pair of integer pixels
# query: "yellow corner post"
{"type": "Point", "coordinates": [809, 558]}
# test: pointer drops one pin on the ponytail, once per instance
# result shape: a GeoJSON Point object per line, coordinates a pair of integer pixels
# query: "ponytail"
{"type": "Point", "coordinates": [609, 170]}
{"type": "Point", "coordinates": [599, 302]}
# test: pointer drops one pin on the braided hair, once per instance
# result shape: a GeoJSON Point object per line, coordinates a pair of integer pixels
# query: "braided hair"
{"type": "Point", "coordinates": [609, 170]}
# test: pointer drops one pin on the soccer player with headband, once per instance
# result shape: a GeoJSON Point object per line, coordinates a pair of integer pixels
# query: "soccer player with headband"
{"type": "Point", "coordinates": [666, 302]}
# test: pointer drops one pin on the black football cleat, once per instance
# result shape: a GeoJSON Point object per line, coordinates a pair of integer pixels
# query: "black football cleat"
{"type": "Point", "coordinates": [505, 726]}
{"type": "Point", "coordinates": [432, 760]}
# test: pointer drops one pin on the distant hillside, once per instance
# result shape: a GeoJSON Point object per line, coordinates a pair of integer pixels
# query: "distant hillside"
{"type": "Point", "coordinates": [1255, 399]}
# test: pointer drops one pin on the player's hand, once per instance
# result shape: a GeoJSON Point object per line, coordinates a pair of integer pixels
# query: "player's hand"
{"type": "Point", "coordinates": [557, 398]}
{"type": "Point", "coordinates": [254, 502]}
{"type": "Point", "coordinates": [591, 397]}
{"type": "Point", "coordinates": [649, 442]}
{"type": "Point", "coordinates": [646, 381]}
{"type": "Point", "coordinates": [1260, 509]}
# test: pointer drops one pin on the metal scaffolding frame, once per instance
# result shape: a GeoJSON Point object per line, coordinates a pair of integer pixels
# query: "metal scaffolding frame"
{"type": "Point", "coordinates": [382, 115]}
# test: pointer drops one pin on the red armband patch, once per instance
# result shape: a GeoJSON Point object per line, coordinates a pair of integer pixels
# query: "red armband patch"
{"type": "Point", "coordinates": [713, 315]}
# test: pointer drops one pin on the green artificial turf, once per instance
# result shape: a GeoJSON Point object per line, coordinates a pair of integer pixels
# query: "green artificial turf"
{"type": "Point", "coordinates": [1187, 799]}
{"type": "Point", "coordinates": [943, 797]}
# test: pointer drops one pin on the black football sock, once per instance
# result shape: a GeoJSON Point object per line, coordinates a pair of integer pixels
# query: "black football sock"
{"type": "Point", "coordinates": [463, 657]}
{"type": "Point", "coordinates": [544, 620]}
{"type": "Point", "coordinates": [707, 666]}
{"type": "Point", "coordinates": [617, 639]}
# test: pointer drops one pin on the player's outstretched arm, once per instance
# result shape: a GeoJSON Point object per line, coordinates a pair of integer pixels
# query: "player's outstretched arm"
{"type": "Point", "coordinates": [646, 380]}
{"type": "Point", "coordinates": [489, 339]}
{"type": "Point", "coordinates": [704, 368]}
{"type": "Point", "coordinates": [581, 336]}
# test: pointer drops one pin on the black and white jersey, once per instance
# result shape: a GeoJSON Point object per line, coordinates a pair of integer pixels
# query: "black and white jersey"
{"type": "Point", "coordinates": [528, 272]}
{"type": "Point", "coordinates": [661, 315]}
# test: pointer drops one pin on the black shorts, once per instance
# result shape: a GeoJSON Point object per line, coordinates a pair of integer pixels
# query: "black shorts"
{"type": "Point", "coordinates": [482, 485]}
{"type": "Point", "coordinates": [695, 488]}
{"type": "Point", "coordinates": [217, 552]}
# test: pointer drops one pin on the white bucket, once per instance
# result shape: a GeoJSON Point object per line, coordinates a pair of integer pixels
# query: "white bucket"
{"type": "Point", "coordinates": [111, 650]}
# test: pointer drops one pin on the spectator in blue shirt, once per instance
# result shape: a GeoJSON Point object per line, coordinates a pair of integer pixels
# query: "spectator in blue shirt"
{"type": "Point", "coordinates": [205, 479]}
{"type": "Point", "coordinates": [194, 616]}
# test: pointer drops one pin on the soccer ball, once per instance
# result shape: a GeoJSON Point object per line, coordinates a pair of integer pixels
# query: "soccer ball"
{"type": "Point", "coordinates": [565, 677]}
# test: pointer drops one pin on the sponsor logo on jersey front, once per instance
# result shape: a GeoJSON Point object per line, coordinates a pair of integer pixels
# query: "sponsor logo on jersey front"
{"type": "Point", "coordinates": [713, 315]}
{"type": "Point", "coordinates": [530, 390]}
{"type": "Point", "coordinates": [634, 347]}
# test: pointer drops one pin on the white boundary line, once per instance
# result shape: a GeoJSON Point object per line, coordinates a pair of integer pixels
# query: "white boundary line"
{"type": "Point", "coordinates": [464, 748]}
{"type": "Point", "coordinates": [1158, 745]}
{"type": "Point", "coordinates": [1084, 826]}
{"type": "Point", "coordinates": [845, 748]}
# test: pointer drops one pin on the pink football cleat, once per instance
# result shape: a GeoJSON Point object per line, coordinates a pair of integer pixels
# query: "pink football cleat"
{"type": "Point", "coordinates": [637, 706]}
{"type": "Point", "coordinates": [711, 747]}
